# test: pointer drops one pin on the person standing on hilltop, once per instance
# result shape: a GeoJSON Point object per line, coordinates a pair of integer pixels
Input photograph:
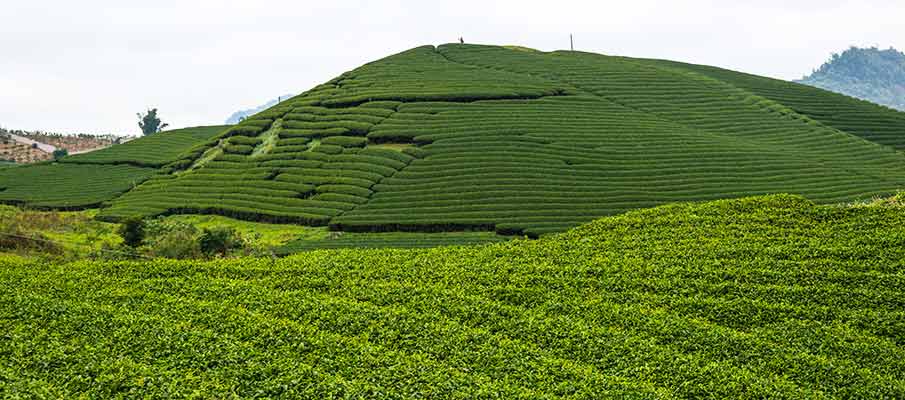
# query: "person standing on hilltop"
{"type": "Point", "coordinates": [461, 41]}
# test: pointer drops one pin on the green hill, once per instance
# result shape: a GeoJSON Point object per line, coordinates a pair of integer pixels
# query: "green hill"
{"type": "Point", "coordinates": [469, 137]}
{"type": "Point", "coordinates": [866, 73]}
{"type": "Point", "coordinates": [769, 297]}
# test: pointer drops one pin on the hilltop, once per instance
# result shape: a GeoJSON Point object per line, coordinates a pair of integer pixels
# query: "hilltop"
{"type": "Point", "coordinates": [488, 138]}
{"type": "Point", "coordinates": [866, 73]}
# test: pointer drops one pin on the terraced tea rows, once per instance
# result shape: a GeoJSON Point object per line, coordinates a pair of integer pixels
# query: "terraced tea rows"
{"type": "Point", "coordinates": [68, 186]}
{"type": "Point", "coordinates": [311, 168]}
{"type": "Point", "coordinates": [663, 303]}
{"type": "Point", "coordinates": [150, 151]}
{"type": "Point", "coordinates": [310, 159]}
{"type": "Point", "coordinates": [862, 118]}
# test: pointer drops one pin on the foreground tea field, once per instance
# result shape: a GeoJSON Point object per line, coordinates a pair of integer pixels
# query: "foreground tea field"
{"type": "Point", "coordinates": [758, 297]}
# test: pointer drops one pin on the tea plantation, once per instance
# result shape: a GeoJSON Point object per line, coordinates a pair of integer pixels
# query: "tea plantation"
{"type": "Point", "coordinates": [68, 186]}
{"type": "Point", "coordinates": [506, 140]}
{"type": "Point", "coordinates": [765, 297]}
{"type": "Point", "coordinates": [465, 137]}
{"type": "Point", "coordinates": [150, 151]}
{"type": "Point", "coordinates": [88, 180]}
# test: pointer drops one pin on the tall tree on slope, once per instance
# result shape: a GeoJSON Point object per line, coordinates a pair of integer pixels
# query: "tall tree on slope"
{"type": "Point", "coordinates": [150, 123]}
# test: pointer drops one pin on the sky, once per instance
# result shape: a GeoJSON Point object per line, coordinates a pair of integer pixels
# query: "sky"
{"type": "Point", "coordinates": [89, 66]}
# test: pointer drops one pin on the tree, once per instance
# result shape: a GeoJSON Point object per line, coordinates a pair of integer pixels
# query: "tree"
{"type": "Point", "coordinates": [60, 153]}
{"type": "Point", "coordinates": [132, 231]}
{"type": "Point", "coordinates": [150, 123]}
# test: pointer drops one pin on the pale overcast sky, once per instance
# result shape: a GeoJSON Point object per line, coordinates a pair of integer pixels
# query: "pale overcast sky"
{"type": "Point", "coordinates": [90, 65]}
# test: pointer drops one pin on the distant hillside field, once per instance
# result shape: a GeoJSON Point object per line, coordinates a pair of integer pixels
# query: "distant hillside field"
{"type": "Point", "coordinates": [90, 179]}
{"type": "Point", "coordinates": [501, 139]}
{"type": "Point", "coordinates": [66, 186]}
{"type": "Point", "coordinates": [153, 150]}
{"type": "Point", "coordinates": [870, 74]}
{"type": "Point", "coordinates": [768, 297]}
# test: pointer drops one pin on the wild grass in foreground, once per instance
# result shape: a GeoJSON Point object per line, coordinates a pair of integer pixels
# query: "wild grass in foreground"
{"type": "Point", "coordinates": [758, 297]}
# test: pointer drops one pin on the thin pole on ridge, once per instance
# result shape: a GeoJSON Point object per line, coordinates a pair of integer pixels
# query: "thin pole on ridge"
{"type": "Point", "coordinates": [571, 43]}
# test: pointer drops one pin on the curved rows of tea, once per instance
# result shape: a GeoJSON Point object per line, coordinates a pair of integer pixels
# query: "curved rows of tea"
{"type": "Point", "coordinates": [66, 186]}
{"type": "Point", "coordinates": [862, 118]}
{"type": "Point", "coordinates": [752, 298]}
{"type": "Point", "coordinates": [320, 164]}
{"type": "Point", "coordinates": [300, 178]}
{"type": "Point", "coordinates": [90, 179]}
{"type": "Point", "coordinates": [152, 150]}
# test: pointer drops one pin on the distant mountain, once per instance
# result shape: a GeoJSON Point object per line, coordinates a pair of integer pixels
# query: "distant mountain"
{"type": "Point", "coordinates": [870, 74]}
{"type": "Point", "coordinates": [239, 115]}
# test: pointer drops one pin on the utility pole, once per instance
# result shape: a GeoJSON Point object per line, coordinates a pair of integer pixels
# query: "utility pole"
{"type": "Point", "coordinates": [571, 43]}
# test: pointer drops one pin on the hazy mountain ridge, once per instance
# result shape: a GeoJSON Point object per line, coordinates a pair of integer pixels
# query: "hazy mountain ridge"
{"type": "Point", "coordinates": [866, 73]}
{"type": "Point", "coordinates": [237, 116]}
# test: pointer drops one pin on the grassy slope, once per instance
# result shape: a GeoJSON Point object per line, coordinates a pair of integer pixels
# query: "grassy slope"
{"type": "Point", "coordinates": [521, 142]}
{"type": "Point", "coordinates": [758, 297]}
{"type": "Point", "coordinates": [264, 234]}
{"type": "Point", "coordinates": [401, 240]}
{"type": "Point", "coordinates": [76, 233]}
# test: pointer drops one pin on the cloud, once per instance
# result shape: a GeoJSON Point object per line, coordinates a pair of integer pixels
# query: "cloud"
{"type": "Point", "coordinates": [89, 66]}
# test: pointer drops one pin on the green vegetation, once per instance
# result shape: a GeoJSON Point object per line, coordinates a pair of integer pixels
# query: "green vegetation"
{"type": "Point", "coordinates": [466, 137]}
{"type": "Point", "coordinates": [750, 298]}
{"type": "Point", "coordinates": [870, 74]}
{"type": "Point", "coordinates": [858, 117]}
{"type": "Point", "coordinates": [501, 139]}
{"type": "Point", "coordinates": [150, 123]}
{"type": "Point", "coordinates": [132, 231]}
{"type": "Point", "coordinates": [60, 153]}
{"type": "Point", "coordinates": [401, 240]}
{"type": "Point", "coordinates": [63, 234]}
{"type": "Point", "coordinates": [263, 234]}
{"type": "Point", "coordinates": [68, 186]}
{"type": "Point", "coordinates": [151, 151]}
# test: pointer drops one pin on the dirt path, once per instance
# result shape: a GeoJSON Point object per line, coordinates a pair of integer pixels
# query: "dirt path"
{"type": "Point", "coordinates": [26, 141]}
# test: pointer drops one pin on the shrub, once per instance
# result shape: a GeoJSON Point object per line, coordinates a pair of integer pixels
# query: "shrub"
{"type": "Point", "coordinates": [132, 230]}
{"type": "Point", "coordinates": [345, 141]}
{"type": "Point", "coordinates": [219, 241]}
{"type": "Point", "coordinates": [181, 244]}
